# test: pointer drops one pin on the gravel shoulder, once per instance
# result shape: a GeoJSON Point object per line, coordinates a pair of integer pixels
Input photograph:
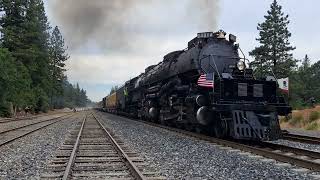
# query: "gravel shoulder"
{"type": "Point", "coordinates": [181, 157]}
{"type": "Point", "coordinates": [26, 158]}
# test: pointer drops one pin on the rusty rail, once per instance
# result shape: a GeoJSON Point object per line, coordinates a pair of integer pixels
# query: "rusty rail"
{"type": "Point", "coordinates": [301, 138]}
{"type": "Point", "coordinates": [92, 151]}
{"type": "Point", "coordinates": [134, 169]}
{"type": "Point", "coordinates": [55, 120]}
{"type": "Point", "coordinates": [31, 124]}
{"type": "Point", "coordinates": [67, 172]}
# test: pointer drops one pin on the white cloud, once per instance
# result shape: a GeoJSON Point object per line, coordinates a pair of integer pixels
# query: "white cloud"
{"type": "Point", "coordinates": [103, 69]}
{"type": "Point", "coordinates": [118, 68]}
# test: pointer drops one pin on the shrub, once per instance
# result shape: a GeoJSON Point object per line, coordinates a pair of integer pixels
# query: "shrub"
{"type": "Point", "coordinates": [314, 115]}
{"type": "Point", "coordinates": [285, 119]}
{"type": "Point", "coordinates": [296, 119]}
{"type": "Point", "coordinates": [312, 126]}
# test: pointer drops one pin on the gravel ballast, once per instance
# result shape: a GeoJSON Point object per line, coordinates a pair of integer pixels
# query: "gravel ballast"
{"type": "Point", "coordinates": [27, 157]}
{"type": "Point", "coordinates": [181, 157]}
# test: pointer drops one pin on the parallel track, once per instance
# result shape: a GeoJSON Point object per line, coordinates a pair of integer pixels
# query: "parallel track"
{"type": "Point", "coordinates": [301, 138]}
{"type": "Point", "coordinates": [92, 152]}
{"type": "Point", "coordinates": [30, 124]}
{"type": "Point", "coordinates": [300, 157]}
{"type": "Point", "coordinates": [19, 132]}
{"type": "Point", "coordinates": [8, 120]}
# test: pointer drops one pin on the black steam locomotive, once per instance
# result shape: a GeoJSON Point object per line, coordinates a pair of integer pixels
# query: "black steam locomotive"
{"type": "Point", "coordinates": [206, 87]}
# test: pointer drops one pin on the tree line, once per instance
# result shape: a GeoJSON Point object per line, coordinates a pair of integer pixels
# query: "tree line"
{"type": "Point", "coordinates": [274, 57]}
{"type": "Point", "coordinates": [32, 61]}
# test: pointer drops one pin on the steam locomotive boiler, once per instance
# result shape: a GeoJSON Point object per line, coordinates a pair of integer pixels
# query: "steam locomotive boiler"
{"type": "Point", "coordinates": [206, 87]}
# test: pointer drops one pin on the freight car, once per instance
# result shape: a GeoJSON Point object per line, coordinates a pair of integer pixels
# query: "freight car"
{"type": "Point", "coordinates": [206, 87]}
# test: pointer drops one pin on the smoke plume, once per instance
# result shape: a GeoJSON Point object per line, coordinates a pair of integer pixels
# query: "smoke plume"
{"type": "Point", "coordinates": [122, 24]}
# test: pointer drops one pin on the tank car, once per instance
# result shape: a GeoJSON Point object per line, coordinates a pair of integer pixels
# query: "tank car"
{"type": "Point", "coordinates": [209, 88]}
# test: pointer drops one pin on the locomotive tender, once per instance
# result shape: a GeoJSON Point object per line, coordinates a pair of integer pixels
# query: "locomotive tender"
{"type": "Point", "coordinates": [206, 87]}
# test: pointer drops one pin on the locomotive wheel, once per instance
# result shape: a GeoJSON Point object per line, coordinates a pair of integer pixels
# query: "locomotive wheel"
{"type": "Point", "coordinates": [188, 127]}
{"type": "Point", "coordinates": [198, 129]}
{"type": "Point", "coordinates": [218, 130]}
{"type": "Point", "coordinates": [162, 121]}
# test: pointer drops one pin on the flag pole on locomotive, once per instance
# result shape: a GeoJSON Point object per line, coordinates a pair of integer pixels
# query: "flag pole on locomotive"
{"type": "Point", "coordinates": [283, 85]}
{"type": "Point", "coordinates": [126, 94]}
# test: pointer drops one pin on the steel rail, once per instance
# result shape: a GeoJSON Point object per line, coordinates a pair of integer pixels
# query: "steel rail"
{"type": "Point", "coordinates": [31, 124]}
{"type": "Point", "coordinates": [34, 130]}
{"type": "Point", "coordinates": [298, 151]}
{"type": "Point", "coordinates": [301, 138]}
{"type": "Point", "coordinates": [279, 156]}
{"type": "Point", "coordinates": [8, 120]}
{"type": "Point", "coordinates": [2, 121]}
{"type": "Point", "coordinates": [72, 158]}
{"type": "Point", "coordinates": [134, 169]}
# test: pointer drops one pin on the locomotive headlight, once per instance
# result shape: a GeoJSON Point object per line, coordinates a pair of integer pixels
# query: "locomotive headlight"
{"type": "Point", "coordinates": [241, 65]}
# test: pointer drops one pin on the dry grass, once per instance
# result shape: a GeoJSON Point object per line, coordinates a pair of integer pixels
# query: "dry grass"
{"type": "Point", "coordinates": [306, 119]}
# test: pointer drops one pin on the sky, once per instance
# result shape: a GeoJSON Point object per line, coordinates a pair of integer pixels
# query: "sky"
{"type": "Point", "coordinates": [150, 31]}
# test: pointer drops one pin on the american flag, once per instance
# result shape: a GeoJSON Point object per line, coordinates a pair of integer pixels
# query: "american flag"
{"type": "Point", "coordinates": [206, 80]}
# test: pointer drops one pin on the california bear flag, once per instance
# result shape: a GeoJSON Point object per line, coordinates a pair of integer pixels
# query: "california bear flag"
{"type": "Point", "coordinates": [284, 85]}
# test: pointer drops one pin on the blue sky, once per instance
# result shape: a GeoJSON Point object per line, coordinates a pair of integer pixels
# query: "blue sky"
{"type": "Point", "coordinates": [98, 68]}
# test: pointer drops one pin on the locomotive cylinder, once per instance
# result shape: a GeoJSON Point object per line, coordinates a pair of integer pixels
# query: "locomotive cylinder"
{"type": "Point", "coordinates": [201, 100]}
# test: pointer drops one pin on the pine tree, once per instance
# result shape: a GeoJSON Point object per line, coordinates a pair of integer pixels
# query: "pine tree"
{"type": "Point", "coordinates": [274, 52]}
{"type": "Point", "coordinates": [36, 52]}
{"type": "Point", "coordinates": [83, 97]}
{"type": "Point", "coordinates": [12, 25]}
{"type": "Point", "coordinates": [314, 78]}
{"type": "Point", "coordinates": [306, 62]}
{"type": "Point", "coordinates": [32, 63]}
{"type": "Point", "coordinates": [305, 83]}
{"type": "Point", "coordinates": [12, 22]}
{"type": "Point", "coordinates": [58, 56]}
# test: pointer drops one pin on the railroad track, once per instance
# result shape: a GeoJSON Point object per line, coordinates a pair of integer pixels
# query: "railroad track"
{"type": "Point", "coordinates": [13, 134]}
{"type": "Point", "coordinates": [299, 157]}
{"type": "Point", "coordinates": [300, 138]}
{"type": "Point", "coordinates": [93, 152]}
{"type": "Point", "coordinates": [7, 120]}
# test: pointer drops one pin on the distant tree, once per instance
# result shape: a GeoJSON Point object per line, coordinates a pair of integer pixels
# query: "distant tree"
{"type": "Point", "coordinates": [58, 56]}
{"type": "Point", "coordinates": [84, 98]}
{"type": "Point", "coordinates": [275, 50]}
{"type": "Point", "coordinates": [113, 89]}
{"type": "Point", "coordinates": [314, 81]}
{"type": "Point", "coordinates": [304, 84]}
